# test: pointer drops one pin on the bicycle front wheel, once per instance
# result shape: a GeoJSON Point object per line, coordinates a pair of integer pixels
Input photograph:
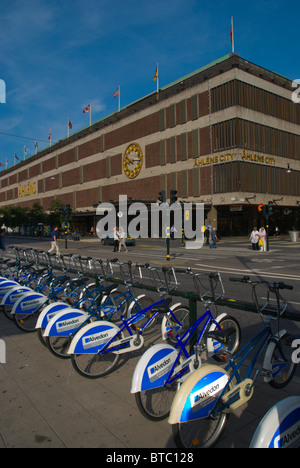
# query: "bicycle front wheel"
{"type": "Point", "coordinates": [233, 341]}
{"type": "Point", "coordinates": [141, 303]}
{"type": "Point", "coordinates": [177, 323]}
{"type": "Point", "coordinates": [282, 364]}
{"type": "Point", "coordinates": [202, 433]}
{"type": "Point", "coordinates": [94, 366]}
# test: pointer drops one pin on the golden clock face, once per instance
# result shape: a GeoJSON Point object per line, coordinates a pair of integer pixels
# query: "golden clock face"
{"type": "Point", "coordinates": [133, 160]}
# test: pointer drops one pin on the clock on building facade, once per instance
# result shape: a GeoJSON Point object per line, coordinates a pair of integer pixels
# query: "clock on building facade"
{"type": "Point", "coordinates": [133, 160]}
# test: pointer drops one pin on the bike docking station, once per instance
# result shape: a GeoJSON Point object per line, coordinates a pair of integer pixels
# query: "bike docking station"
{"type": "Point", "coordinates": [206, 382]}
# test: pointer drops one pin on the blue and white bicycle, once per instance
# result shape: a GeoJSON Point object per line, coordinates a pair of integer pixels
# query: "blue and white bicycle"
{"type": "Point", "coordinates": [163, 367]}
{"type": "Point", "coordinates": [202, 405]}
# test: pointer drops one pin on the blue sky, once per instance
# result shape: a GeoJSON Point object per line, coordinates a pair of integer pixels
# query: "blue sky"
{"type": "Point", "coordinates": [58, 56]}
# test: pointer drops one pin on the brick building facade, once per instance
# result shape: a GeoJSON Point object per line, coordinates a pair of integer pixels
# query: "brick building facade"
{"type": "Point", "coordinates": [227, 135]}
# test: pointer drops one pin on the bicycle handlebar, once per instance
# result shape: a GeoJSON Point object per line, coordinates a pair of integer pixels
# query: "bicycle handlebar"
{"type": "Point", "coordinates": [274, 285]}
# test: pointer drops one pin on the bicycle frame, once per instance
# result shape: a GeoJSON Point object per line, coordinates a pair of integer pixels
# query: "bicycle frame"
{"type": "Point", "coordinates": [95, 332]}
{"type": "Point", "coordinates": [182, 343]}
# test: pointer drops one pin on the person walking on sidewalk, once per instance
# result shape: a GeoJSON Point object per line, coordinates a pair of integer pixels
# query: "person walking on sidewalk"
{"type": "Point", "coordinates": [2, 243]}
{"type": "Point", "coordinates": [122, 243]}
{"type": "Point", "coordinates": [116, 240]}
{"type": "Point", "coordinates": [54, 244]}
{"type": "Point", "coordinates": [213, 235]}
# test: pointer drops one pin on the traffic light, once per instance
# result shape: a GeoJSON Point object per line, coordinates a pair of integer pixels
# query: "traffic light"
{"type": "Point", "coordinates": [270, 207]}
{"type": "Point", "coordinates": [68, 211]}
{"type": "Point", "coordinates": [162, 196]}
{"type": "Point", "coordinates": [262, 209]}
{"type": "Point", "coordinates": [63, 211]}
{"type": "Point", "coordinates": [173, 197]}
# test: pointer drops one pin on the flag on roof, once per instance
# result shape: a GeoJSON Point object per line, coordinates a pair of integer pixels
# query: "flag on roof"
{"type": "Point", "coordinates": [87, 109]}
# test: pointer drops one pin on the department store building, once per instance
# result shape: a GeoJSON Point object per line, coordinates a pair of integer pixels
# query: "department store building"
{"type": "Point", "coordinates": [227, 135]}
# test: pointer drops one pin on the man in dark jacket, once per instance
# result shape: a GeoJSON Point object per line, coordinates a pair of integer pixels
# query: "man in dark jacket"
{"type": "Point", "coordinates": [2, 243]}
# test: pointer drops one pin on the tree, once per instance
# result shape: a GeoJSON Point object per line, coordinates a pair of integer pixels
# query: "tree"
{"type": "Point", "coordinates": [54, 217]}
{"type": "Point", "coordinates": [37, 215]}
{"type": "Point", "coordinates": [14, 216]}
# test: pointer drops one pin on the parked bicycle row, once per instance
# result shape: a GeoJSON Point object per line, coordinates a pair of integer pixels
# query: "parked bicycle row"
{"type": "Point", "coordinates": [92, 315]}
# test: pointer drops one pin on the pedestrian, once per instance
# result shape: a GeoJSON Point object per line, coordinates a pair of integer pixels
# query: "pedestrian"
{"type": "Point", "coordinates": [213, 235]}
{"type": "Point", "coordinates": [122, 242]}
{"type": "Point", "coordinates": [172, 231]}
{"type": "Point", "coordinates": [54, 244]}
{"type": "Point", "coordinates": [262, 239]}
{"type": "Point", "coordinates": [207, 234]}
{"type": "Point", "coordinates": [2, 243]}
{"type": "Point", "coordinates": [254, 236]}
{"type": "Point", "coordinates": [116, 239]}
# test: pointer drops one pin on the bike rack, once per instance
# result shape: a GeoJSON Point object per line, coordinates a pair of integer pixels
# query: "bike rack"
{"type": "Point", "coordinates": [190, 296]}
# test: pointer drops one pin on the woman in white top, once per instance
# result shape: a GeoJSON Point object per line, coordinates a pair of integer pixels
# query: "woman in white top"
{"type": "Point", "coordinates": [122, 242]}
{"type": "Point", "coordinates": [254, 236]}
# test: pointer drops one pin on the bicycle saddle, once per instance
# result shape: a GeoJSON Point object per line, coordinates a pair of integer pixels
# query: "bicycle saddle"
{"type": "Point", "coordinates": [108, 289]}
{"type": "Point", "coordinates": [221, 335]}
{"type": "Point", "coordinates": [78, 281]}
{"type": "Point", "coordinates": [163, 308]}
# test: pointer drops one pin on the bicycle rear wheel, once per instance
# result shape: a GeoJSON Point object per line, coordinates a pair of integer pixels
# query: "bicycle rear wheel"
{"type": "Point", "coordinates": [58, 345]}
{"type": "Point", "coordinates": [94, 366]}
{"type": "Point", "coordinates": [155, 403]}
{"type": "Point", "coordinates": [201, 433]}
{"type": "Point", "coordinates": [26, 322]}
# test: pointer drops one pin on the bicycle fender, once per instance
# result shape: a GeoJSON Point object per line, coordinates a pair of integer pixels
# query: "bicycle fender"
{"type": "Point", "coordinates": [2, 278]}
{"type": "Point", "coordinates": [93, 337]}
{"type": "Point", "coordinates": [279, 428]}
{"type": "Point", "coordinates": [268, 354]}
{"type": "Point", "coordinates": [14, 294]}
{"type": "Point", "coordinates": [214, 346]}
{"type": "Point", "coordinates": [48, 313]}
{"type": "Point", "coordinates": [29, 303]}
{"type": "Point", "coordinates": [153, 368]}
{"type": "Point", "coordinates": [6, 286]}
{"type": "Point", "coordinates": [64, 323]}
{"type": "Point", "coordinates": [164, 330]}
{"type": "Point", "coordinates": [198, 394]}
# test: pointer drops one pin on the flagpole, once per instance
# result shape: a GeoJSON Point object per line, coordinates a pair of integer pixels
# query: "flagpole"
{"type": "Point", "coordinates": [119, 98]}
{"type": "Point", "coordinates": [90, 114]}
{"type": "Point", "coordinates": [232, 35]}
{"type": "Point", "coordinates": [157, 79]}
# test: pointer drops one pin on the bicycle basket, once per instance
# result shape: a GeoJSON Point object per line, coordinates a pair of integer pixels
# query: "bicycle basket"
{"type": "Point", "coordinates": [208, 286]}
{"type": "Point", "coordinates": [102, 269]}
{"type": "Point", "coordinates": [274, 305]}
{"type": "Point", "coordinates": [164, 279]}
{"type": "Point", "coordinates": [127, 272]}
